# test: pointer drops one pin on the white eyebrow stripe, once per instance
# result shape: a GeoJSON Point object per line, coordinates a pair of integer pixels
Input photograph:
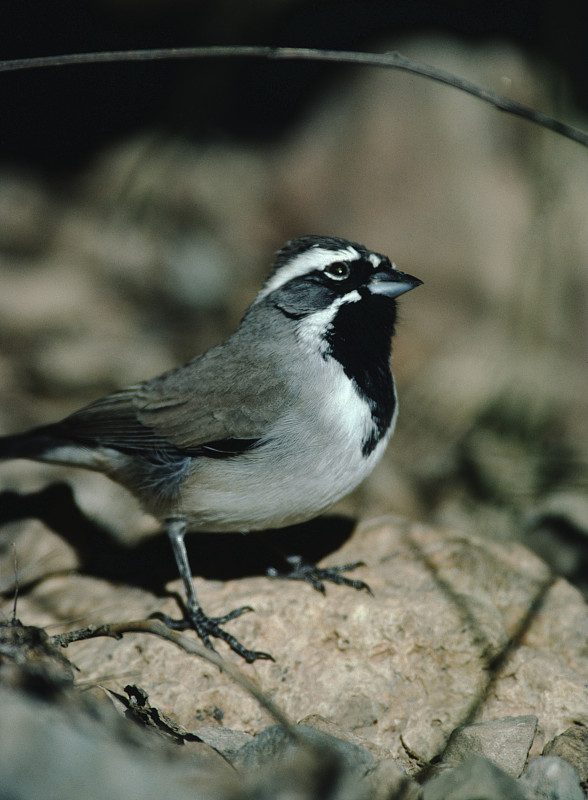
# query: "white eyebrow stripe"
{"type": "Point", "coordinates": [315, 258]}
{"type": "Point", "coordinates": [376, 260]}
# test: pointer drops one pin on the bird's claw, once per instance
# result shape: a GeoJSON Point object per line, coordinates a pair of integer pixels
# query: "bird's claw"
{"type": "Point", "coordinates": [301, 571]}
{"type": "Point", "coordinates": [207, 627]}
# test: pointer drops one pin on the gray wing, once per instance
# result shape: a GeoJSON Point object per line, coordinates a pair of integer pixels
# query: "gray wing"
{"type": "Point", "coordinates": [219, 402]}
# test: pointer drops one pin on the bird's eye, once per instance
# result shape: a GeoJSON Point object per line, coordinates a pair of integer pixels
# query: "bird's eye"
{"type": "Point", "coordinates": [339, 270]}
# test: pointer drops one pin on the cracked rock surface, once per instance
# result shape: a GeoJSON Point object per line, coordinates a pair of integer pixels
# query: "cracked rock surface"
{"type": "Point", "coordinates": [460, 630]}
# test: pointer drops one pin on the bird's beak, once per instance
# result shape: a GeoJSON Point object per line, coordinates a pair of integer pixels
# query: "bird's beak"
{"type": "Point", "coordinates": [392, 282]}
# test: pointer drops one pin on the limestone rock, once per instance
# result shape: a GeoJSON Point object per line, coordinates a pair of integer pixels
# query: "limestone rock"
{"type": "Point", "coordinates": [223, 740]}
{"type": "Point", "coordinates": [59, 754]}
{"type": "Point", "coordinates": [552, 778]}
{"type": "Point", "coordinates": [459, 629]}
{"type": "Point", "coordinates": [274, 743]}
{"type": "Point", "coordinates": [571, 745]}
{"type": "Point", "coordinates": [387, 780]}
{"type": "Point", "coordinates": [476, 778]}
{"type": "Point", "coordinates": [505, 742]}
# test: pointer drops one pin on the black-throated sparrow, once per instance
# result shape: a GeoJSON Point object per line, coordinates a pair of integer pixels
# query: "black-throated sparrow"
{"type": "Point", "coordinates": [268, 428]}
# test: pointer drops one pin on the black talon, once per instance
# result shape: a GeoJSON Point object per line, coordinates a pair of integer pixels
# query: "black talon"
{"type": "Point", "coordinates": [232, 614]}
{"type": "Point", "coordinates": [316, 575]}
{"type": "Point", "coordinates": [206, 627]}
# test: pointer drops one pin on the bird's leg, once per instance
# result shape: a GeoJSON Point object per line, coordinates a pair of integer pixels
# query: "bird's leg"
{"type": "Point", "coordinates": [316, 576]}
{"type": "Point", "coordinates": [206, 627]}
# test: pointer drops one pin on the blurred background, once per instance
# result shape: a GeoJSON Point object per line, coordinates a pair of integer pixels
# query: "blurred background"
{"type": "Point", "coordinates": [141, 204]}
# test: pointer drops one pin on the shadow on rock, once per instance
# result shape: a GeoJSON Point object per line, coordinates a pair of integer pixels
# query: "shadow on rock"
{"type": "Point", "coordinates": [150, 564]}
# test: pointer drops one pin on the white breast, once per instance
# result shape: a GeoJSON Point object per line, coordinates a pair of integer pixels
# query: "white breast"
{"type": "Point", "coordinates": [311, 457]}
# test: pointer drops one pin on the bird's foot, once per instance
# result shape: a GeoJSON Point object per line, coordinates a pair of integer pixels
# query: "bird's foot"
{"type": "Point", "coordinates": [316, 576]}
{"type": "Point", "coordinates": [207, 627]}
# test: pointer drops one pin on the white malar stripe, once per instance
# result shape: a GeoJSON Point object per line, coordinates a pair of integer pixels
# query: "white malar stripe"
{"type": "Point", "coordinates": [394, 419]}
{"type": "Point", "coordinates": [312, 328]}
{"type": "Point", "coordinates": [306, 262]}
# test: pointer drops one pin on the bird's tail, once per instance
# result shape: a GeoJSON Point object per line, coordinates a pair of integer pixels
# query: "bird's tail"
{"type": "Point", "coordinates": [31, 444]}
{"type": "Point", "coordinates": [50, 445]}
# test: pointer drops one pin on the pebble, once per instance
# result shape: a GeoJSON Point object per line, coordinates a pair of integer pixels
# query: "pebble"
{"type": "Point", "coordinates": [505, 742]}
{"type": "Point", "coordinates": [552, 778]}
{"type": "Point", "coordinates": [476, 778]}
{"type": "Point", "coordinates": [571, 745]}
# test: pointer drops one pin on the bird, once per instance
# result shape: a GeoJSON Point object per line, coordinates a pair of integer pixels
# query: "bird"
{"type": "Point", "coordinates": [265, 430]}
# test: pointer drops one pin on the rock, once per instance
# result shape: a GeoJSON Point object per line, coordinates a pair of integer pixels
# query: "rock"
{"type": "Point", "coordinates": [223, 740]}
{"type": "Point", "coordinates": [459, 628]}
{"type": "Point", "coordinates": [476, 778]}
{"type": "Point", "coordinates": [384, 779]}
{"type": "Point", "coordinates": [387, 780]}
{"type": "Point", "coordinates": [304, 773]}
{"type": "Point", "coordinates": [571, 745]}
{"type": "Point", "coordinates": [551, 778]}
{"type": "Point", "coordinates": [274, 745]}
{"type": "Point", "coordinates": [59, 752]}
{"type": "Point", "coordinates": [339, 732]}
{"type": "Point", "coordinates": [28, 214]}
{"type": "Point", "coordinates": [505, 742]}
{"type": "Point", "coordinates": [318, 765]}
{"type": "Point", "coordinates": [351, 764]}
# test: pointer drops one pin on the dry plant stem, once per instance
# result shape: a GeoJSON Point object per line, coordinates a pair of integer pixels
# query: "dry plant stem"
{"type": "Point", "coordinates": [15, 602]}
{"type": "Point", "coordinates": [392, 60]}
{"type": "Point", "coordinates": [116, 630]}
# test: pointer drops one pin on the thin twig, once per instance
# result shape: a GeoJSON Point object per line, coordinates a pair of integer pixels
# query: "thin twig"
{"type": "Point", "coordinates": [15, 603]}
{"type": "Point", "coordinates": [159, 628]}
{"type": "Point", "coordinates": [392, 60]}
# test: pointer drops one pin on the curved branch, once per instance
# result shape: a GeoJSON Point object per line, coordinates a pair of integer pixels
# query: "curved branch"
{"type": "Point", "coordinates": [391, 60]}
{"type": "Point", "coordinates": [116, 630]}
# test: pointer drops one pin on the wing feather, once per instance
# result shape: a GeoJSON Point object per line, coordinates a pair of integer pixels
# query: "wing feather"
{"type": "Point", "coordinates": [214, 398]}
